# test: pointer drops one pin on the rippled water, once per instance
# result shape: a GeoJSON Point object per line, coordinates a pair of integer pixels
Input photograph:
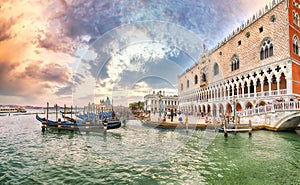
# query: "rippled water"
{"type": "Point", "coordinates": [136, 154]}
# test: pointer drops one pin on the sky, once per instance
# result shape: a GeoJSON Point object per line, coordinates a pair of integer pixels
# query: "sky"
{"type": "Point", "coordinates": [79, 51]}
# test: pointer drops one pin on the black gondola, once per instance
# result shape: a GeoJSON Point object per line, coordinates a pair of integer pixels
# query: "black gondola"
{"type": "Point", "coordinates": [79, 125]}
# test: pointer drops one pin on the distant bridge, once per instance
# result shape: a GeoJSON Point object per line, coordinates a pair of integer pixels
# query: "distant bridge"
{"type": "Point", "coordinates": [287, 115]}
{"type": "Point", "coordinates": [289, 122]}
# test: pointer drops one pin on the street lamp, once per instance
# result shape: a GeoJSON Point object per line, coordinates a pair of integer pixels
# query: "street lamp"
{"type": "Point", "coordinates": [160, 103]}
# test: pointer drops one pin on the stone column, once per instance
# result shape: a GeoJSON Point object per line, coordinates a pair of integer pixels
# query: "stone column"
{"type": "Point", "coordinates": [278, 85]}
{"type": "Point", "coordinates": [243, 90]}
{"type": "Point", "coordinates": [262, 87]}
{"type": "Point", "coordinates": [228, 90]}
{"type": "Point", "coordinates": [217, 111]}
{"type": "Point", "coordinates": [270, 87]}
{"type": "Point", "coordinates": [248, 87]}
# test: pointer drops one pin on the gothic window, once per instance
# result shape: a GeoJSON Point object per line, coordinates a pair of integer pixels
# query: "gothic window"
{"type": "Point", "coordinates": [182, 87]}
{"type": "Point", "coordinates": [295, 45]}
{"type": "Point", "coordinates": [271, 50]}
{"type": "Point", "coordinates": [266, 52]}
{"type": "Point", "coordinates": [203, 77]}
{"type": "Point", "coordinates": [266, 49]}
{"type": "Point", "coordinates": [296, 18]}
{"type": "Point", "coordinates": [262, 54]}
{"type": "Point", "coordinates": [216, 69]}
{"type": "Point", "coordinates": [235, 63]}
{"type": "Point", "coordinates": [196, 79]}
{"type": "Point", "coordinates": [187, 83]}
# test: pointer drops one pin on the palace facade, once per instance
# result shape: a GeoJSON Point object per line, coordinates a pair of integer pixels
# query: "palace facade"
{"type": "Point", "coordinates": [159, 102]}
{"type": "Point", "coordinates": [256, 65]}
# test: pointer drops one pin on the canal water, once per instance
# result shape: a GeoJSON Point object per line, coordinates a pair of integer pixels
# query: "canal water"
{"type": "Point", "coordinates": [138, 154]}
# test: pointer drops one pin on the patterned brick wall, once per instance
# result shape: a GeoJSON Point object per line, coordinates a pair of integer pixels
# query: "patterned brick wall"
{"type": "Point", "coordinates": [189, 76]}
{"type": "Point", "coordinates": [246, 46]}
{"type": "Point", "coordinates": [248, 51]}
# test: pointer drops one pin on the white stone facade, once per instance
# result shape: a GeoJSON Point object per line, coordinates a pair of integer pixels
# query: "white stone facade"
{"type": "Point", "coordinates": [159, 102]}
{"type": "Point", "coordinates": [252, 67]}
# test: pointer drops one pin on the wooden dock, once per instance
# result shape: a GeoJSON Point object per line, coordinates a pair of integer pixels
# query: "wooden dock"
{"type": "Point", "coordinates": [239, 130]}
{"type": "Point", "coordinates": [237, 126]}
{"type": "Point", "coordinates": [174, 125]}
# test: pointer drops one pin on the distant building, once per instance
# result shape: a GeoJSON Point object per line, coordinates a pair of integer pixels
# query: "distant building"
{"type": "Point", "coordinates": [257, 64]}
{"type": "Point", "coordinates": [105, 105]}
{"type": "Point", "coordinates": [157, 102]}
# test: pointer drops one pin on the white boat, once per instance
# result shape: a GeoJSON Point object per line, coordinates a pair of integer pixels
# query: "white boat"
{"type": "Point", "coordinates": [11, 110]}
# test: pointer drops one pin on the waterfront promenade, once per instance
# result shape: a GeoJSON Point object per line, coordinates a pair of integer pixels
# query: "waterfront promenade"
{"type": "Point", "coordinates": [278, 116]}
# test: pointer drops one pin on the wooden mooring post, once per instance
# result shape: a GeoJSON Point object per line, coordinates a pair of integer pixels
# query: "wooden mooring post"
{"type": "Point", "coordinates": [187, 124]}
{"type": "Point", "coordinates": [236, 128]}
{"type": "Point", "coordinates": [225, 128]}
{"type": "Point", "coordinates": [250, 128]}
{"type": "Point", "coordinates": [44, 123]}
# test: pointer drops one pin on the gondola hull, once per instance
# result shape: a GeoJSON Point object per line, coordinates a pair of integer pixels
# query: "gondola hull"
{"type": "Point", "coordinates": [78, 125]}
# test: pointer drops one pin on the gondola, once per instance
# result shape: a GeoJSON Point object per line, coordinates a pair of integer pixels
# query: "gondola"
{"type": "Point", "coordinates": [80, 125]}
{"type": "Point", "coordinates": [92, 116]}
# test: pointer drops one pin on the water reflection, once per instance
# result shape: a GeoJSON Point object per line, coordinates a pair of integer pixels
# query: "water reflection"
{"type": "Point", "coordinates": [138, 154]}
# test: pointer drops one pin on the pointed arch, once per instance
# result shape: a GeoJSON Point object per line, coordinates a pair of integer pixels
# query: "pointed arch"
{"type": "Point", "coordinates": [238, 107]}
{"type": "Point", "coordinates": [296, 45]}
{"type": "Point", "coordinates": [196, 79]}
{"type": "Point", "coordinates": [221, 110]}
{"type": "Point", "coordinates": [266, 84]}
{"type": "Point", "coordinates": [235, 63]}
{"type": "Point", "coordinates": [282, 81]}
{"type": "Point", "coordinates": [266, 49]}
{"type": "Point", "coordinates": [216, 69]}
{"type": "Point", "coordinates": [246, 87]}
{"type": "Point", "coordinates": [262, 103]}
{"type": "Point", "coordinates": [187, 84]}
{"type": "Point", "coordinates": [258, 85]}
{"type": "Point", "coordinates": [203, 109]}
{"type": "Point", "coordinates": [252, 86]}
{"type": "Point", "coordinates": [262, 53]}
{"type": "Point", "coordinates": [295, 17]}
{"type": "Point", "coordinates": [273, 83]}
{"type": "Point", "coordinates": [249, 105]}
{"type": "Point", "coordinates": [228, 109]}
{"type": "Point", "coordinates": [203, 77]}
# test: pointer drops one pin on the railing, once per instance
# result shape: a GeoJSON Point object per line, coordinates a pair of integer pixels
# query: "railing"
{"type": "Point", "coordinates": [187, 101]}
{"type": "Point", "coordinates": [280, 106]}
{"type": "Point", "coordinates": [269, 108]}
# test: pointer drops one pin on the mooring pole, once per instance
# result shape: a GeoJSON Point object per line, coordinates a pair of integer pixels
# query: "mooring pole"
{"type": "Point", "coordinates": [225, 129]}
{"type": "Point", "coordinates": [187, 124]}
{"type": "Point", "coordinates": [64, 111]}
{"type": "Point", "coordinates": [250, 128]}
{"type": "Point", "coordinates": [47, 111]}
{"type": "Point", "coordinates": [56, 112]}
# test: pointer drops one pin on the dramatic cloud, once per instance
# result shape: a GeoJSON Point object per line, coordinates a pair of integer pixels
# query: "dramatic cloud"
{"type": "Point", "coordinates": [52, 50]}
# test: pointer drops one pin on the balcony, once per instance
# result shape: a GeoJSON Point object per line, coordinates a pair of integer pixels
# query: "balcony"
{"type": "Point", "coordinates": [274, 93]}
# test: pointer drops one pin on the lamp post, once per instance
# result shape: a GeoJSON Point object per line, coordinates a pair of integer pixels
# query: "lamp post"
{"type": "Point", "coordinates": [160, 103]}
